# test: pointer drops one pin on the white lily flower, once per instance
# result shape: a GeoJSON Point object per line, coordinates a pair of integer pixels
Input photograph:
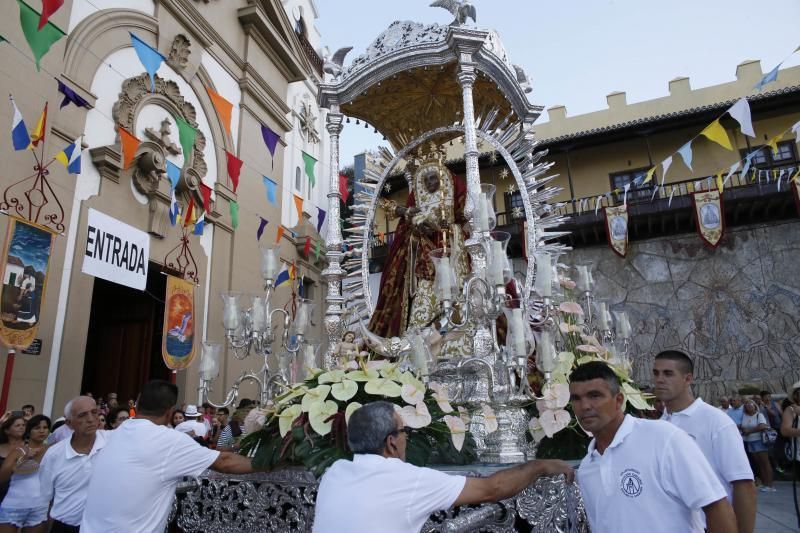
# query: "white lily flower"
{"type": "Point", "coordinates": [415, 416]}
{"type": "Point", "coordinates": [458, 430]}
{"type": "Point", "coordinates": [287, 417]}
{"type": "Point", "coordinates": [344, 390]}
{"type": "Point", "coordinates": [535, 427]}
{"type": "Point", "coordinates": [319, 413]}
{"type": "Point", "coordinates": [412, 394]}
{"type": "Point", "coordinates": [349, 410]}
{"type": "Point", "coordinates": [315, 395]}
{"type": "Point", "coordinates": [382, 387]}
{"type": "Point", "coordinates": [554, 421]}
{"type": "Point", "coordinates": [489, 419]}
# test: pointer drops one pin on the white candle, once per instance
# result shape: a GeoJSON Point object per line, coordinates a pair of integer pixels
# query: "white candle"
{"type": "Point", "coordinates": [482, 216]}
{"type": "Point", "coordinates": [546, 352]}
{"type": "Point", "coordinates": [310, 358]}
{"type": "Point", "coordinates": [497, 264]}
{"type": "Point", "coordinates": [544, 275]}
{"type": "Point", "coordinates": [301, 321]}
{"type": "Point", "coordinates": [623, 325]}
{"type": "Point", "coordinates": [517, 333]}
{"type": "Point", "coordinates": [582, 283]}
{"type": "Point", "coordinates": [230, 315]}
{"type": "Point", "coordinates": [444, 279]}
{"type": "Point", "coordinates": [603, 319]}
{"type": "Point", "coordinates": [258, 316]}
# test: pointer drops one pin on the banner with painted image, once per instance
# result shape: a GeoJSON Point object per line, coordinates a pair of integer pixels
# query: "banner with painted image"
{"type": "Point", "coordinates": [617, 228]}
{"type": "Point", "coordinates": [709, 216]}
{"type": "Point", "coordinates": [177, 344]}
{"type": "Point", "coordinates": [26, 258]}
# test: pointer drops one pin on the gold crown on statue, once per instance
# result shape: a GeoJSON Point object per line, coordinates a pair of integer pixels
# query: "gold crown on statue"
{"type": "Point", "coordinates": [431, 154]}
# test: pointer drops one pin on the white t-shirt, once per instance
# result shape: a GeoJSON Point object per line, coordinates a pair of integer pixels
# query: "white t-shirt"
{"type": "Point", "coordinates": [187, 426]}
{"type": "Point", "coordinates": [718, 438]}
{"type": "Point", "coordinates": [134, 479]}
{"type": "Point", "coordinates": [652, 477]}
{"type": "Point", "coordinates": [373, 494]}
{"type": "Point", "coordinates": [65, 475]}
{"type": "Point", "coordinates": [752, 422]}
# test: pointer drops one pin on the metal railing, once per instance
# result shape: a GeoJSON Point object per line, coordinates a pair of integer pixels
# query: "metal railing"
{"type": "Point", "coordinates": [311, 54]}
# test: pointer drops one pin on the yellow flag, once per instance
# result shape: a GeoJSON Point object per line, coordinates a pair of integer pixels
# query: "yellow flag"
{"type": "Point", "coordinates": [720, 182]}
{"type": "Point", "coordinates": [715, 132]}
{"type": "Point", "coordinates": [649, 175]}
{"type": "Point", "coordinates": [773, 143]}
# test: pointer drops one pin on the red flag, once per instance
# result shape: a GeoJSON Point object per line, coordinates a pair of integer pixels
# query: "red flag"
{"type": "Point", "coordinates": [48, 8]}
{"type": "Point", "coordinates": [188, 217]}
{"type": "Point", "coordinates": [343, 187]}
{"type": "Point", "coordinates": [234, 168]}
{"type": "Point", "coordinates": [205, 190]}
{"type": "Point", "coordinates": [307, 248]}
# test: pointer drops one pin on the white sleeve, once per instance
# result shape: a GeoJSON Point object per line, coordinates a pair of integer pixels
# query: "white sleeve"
{"type": "Point", "coordinates": [686, 474]}
{"type": "Point", "coordinates": [187, 457]}
{"type": "Point", "coordinates": [435, 491]}
{"type": "Point", "coordinates": [46, 481]}
{"type": "Point", "coordinates": [760, 419]}
{"type": "Point", "coordinates": [729, 454]}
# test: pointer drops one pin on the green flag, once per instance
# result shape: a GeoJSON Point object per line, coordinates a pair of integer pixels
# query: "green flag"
{"type": "Point", "coordinates": [317, 250]}
{"type": "Point", "coordinates": [310, 161]}
{"type": "Point", "coordinates": [40, 41]}
{"type": "Point", "coordinates": [186, 133]}
{"type": "Point", "coordinates": [234, 214]}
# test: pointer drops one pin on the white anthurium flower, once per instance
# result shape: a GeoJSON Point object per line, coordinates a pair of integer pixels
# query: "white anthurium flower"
{"type": "Point", "coordinates": [554, 421]}
{"type": "Point", "coordinates": [344, 390]}
{"type": "Point", "coordinates": [535, 427]}
{"type": "Point", "coordinates": [458, 430]}
{"type": "Point", "coordinates": [489, 419]}
{"type": "Point", "coordinates": [590, 348]}
{"type": "Point", "coordinates": [333, 376]}
{"type": "Point", "coordinates": [587, 359]}
{"type": "Point", "coordinates": [412, 394]}
{"type": "Point", "coordinates": [571, 308]}
{"type": "Point", "coordinates": [415, 416]}
{"type": "Point", "coordinates": [566, 327]}
{"type": "Point", "coordinates": [378, 364]}
{"type": "Point", "coordinates": [441, 396]}
{"type": "Point", "coordinates": [347, 365]}
{"type": "Point", "coordinates": [565, 362]}
{"type": "Point", "coordinates": [591, 339]}
{"type": "Point", "coordinates": [291, 395]}
{"type": "Point", "coordinates": [256, 419]}
{"type": "Point", "coordinates": [407, 377]}
{"type": "Point", "coordinates": [392, 372]}
{"type": "Point", "coordinates": [349, 410]}
{"type": "Point", "coordinates": [363, 375]}
{"type": "Point", "coordinates": [319, 413]}
{"type": "Point", "coordinates": [287, 417]}
{"type": "Point", "coordinates": [464, 415]}
{"type": "Point", "coordinates": [556, 395]}
{"type": "Point", "coordinates": [315, 395]}
{"type": "Point", "coordinates": [635, 397]}
{"type": "Point", "coordinates": [382, 387]}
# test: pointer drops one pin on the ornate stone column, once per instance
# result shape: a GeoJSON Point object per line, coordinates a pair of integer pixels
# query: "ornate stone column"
{"type": "Point", "coordinates": [334, 273]}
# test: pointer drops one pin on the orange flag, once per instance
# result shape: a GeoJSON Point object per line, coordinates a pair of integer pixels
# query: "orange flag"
{"type": "Point", "coordinates": [223, 107]}
{"type": "Point", "coordinates": [280, 234]}
{"type": "Point", "coordinates": [298, 202]}
{"type": "Point", "coordinates": [129, 145]}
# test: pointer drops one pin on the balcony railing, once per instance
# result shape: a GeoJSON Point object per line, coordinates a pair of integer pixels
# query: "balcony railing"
{"type": "Point", "coordinates": [311, 54]}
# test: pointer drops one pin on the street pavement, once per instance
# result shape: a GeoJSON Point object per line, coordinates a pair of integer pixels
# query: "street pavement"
{"type": "Point", "coordinates": [776, 512]}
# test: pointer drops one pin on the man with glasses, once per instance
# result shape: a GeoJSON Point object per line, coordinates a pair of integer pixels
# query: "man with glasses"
{"type": "Point", "coordinates": [379, 491]}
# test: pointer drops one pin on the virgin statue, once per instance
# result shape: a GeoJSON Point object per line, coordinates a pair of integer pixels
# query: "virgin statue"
{"type": "Point", "coordinates": [433, 218]}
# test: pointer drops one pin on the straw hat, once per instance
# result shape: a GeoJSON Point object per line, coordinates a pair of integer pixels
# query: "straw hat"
{"type": "Point", "coordinates": [191, 411]}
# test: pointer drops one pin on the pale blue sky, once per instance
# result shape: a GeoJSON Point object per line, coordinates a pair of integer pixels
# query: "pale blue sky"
{"type": "Point", "coordinates": [576, 52]}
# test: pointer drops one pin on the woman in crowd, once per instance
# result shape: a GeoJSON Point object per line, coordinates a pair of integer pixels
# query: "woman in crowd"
{"type": "Point", "coordinates": [12, 432]}
{"type": "Point", "coordinates": [177, 417]}
{"type": "Point", "coordinates": [790, 423]}
{"type": "Point", "coordinates": [102, 418]}
{"type": "Point", "coordinates": [24, 508]}
{"type": "Point", "coordinates": [117, 416]}
{"type": "Point", "coordinates": [753, 424]}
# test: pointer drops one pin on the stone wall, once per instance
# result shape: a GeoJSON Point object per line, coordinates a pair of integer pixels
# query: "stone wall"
{"type": "Point", "coordinates": [735, 309]}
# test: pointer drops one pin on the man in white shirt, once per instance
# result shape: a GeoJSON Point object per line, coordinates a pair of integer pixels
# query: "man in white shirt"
{"type": "Point", "coordinates": [192, 426]}
{"type": "Point", "coordinates": [151, 459]}
{"type": "Point", "coordinates": [640, 475]}
{"type": "Point", "coordinates": [67, 466]}
{"type": "Point", "coordinates": [714, 432]}
{"type": "Point", "coordinates": [379, 492]}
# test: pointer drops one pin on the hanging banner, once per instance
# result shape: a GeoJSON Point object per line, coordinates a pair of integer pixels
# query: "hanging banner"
{"type": "Point", "coordinates": [26, 258]}
{"type": "Point", "coordinates": [617, 228]}
{"type": "Point", "coordinates": [709, 216]}
{"type": "Point", "coordinates": [177, 344]}
{"type": "Point", "coordinates": [116, 251]}
{"type": "Point", "coordinates": [796, 191]}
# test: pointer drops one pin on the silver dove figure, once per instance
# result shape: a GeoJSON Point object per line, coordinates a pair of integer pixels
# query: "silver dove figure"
{"type": "Point", "coordinates": [461, 9]}
{"type": "Point", "coordinates": [333, 65]}
{"type": "Point", "coordinates": [523, 80]}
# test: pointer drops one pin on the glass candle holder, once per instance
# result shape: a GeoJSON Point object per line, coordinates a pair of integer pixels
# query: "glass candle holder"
{"type": "Point", "coordinates": [302, 319]}
{"type": "Point", "coordinates": [258, 314]}
{"type": "Point", "coordinates": [445, 281]}
{"type": "Point", "coordinates": [543, 283]}
{"type": "Point", "coordinates": [497, 258]}
{"type": "Point", "coordinates": [421, 357]}
{"type": "Point", "coordinates": [603, 317]}
{"type": "Point", "coordinates": [483, 216]}
{"type": "Point", "coordinates": [209, 361]}
{"type": "Point", "coordinates": [270, 262]}
{"type": "Point", "coordinates": [583, 276]}
{"type": "Point", "coordinates": [623, 325]}
{"type": "Point", "coordinates": [519, 339]}
{"type": "Point", "coordinates": [545, 352]}
{"type": "Point", "coordinates": [230, 310]}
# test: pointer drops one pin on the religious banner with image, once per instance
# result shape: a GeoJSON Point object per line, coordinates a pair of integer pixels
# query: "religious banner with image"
{"type": "Point", "coordinates": [709, 216]}
{"type": "Point", "coordinates": [617, 228]}
{"type": "Point", "coordinates": [177, 344]}
{"type": "Point", "coordinates": [26, 260]}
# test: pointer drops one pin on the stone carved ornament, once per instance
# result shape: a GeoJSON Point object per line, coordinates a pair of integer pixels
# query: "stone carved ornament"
{"type": "Point", "coordinates": [179, 52]}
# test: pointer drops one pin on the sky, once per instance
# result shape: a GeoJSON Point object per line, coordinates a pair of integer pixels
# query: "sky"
{"type": "Point", "coordinates": [577, 52]}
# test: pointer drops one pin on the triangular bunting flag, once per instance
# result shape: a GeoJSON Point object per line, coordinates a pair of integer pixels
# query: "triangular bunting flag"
{"type": "Point", "coordinates": [740, 112]}
{"type": "Point", "coordinates": [38, 132]}
{"type": "Point", "coordinates": [282, 277]}
{"type": "Point", "coordinates": [200, 224]}
{"type": "Point", "coordinates": [769, 77]}
{"type": "Point", "coordinates": [320, 218]}
{"type": "Point", "coordinates": [224, 108]}
{"type": "Point", "coordinates": [150, 58]}
{"type": "Point", "coordinates": [649, 175]}
{"type": "Point", "coordinates": [734, 167]}
{"type": "Point", "coordinates": [19, 131]}
{"type": "Point", "coordinates": [48, 8]}
{"type": "Point", "coordinates": [685, 152]}
{"type": "Point", "coordinates": [189, 212]}
{"type": "Point", "coordinates": [205, 192]}
{"type": "Point", "coordinates": [773, 143]}
{"type": "Point", "coordinates": [747, 160]}
{"type": "Point", "coordinates": [344, 191]}
{"type": "Point", "coordinates": [270, 186]}
{"type": "Point", "coordinates": [309, 164]}
{"type": "Point", "coordinates": [715, 132]}
{"type": "Point", "coordinates": [234, 214]}
{"type": "Point", "coordinates": [70, 96]}
{"type": "Point", "coordinates": [271, 140]}
{"type": "Point", "coordinates": [298, 203]}
{"type": "Point", "coordinates": [280, 234]}
{"type": "Point", "coordinates": [317, 250]}
{"type": "Point", "coordinates": [187, 134]}
{"type": "Point", "coordinates": [174, 209]}
{"type": "Point", "coordinates": [665, 164]}
{"type": "Point", "coordinates": [173, 173]}
{"type": "Point", "coordinates": [40, 40]}
{"type": "Point", "coordinates": [130, 144]}
{"type": "Point", "coordinates": [720, 182]}
{"type": "Point", "coordinates": [261, 226]}
{"type": "Point", "coordinates": [234, 168]}
{"type": "Point", "coordinates": [307, 247]}
{"type": "Point", "coordinates": [70, 157]}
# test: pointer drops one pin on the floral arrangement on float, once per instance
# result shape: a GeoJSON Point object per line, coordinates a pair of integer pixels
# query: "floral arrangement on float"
{"type": "Point", "coordinates": [571, 334]}
{"type": "Point", "coordinates": [307, 425]}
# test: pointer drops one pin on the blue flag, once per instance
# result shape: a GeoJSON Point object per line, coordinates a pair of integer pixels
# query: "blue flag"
{"type": "Point", "coordinates": [19, 132]}
{"type": "Point", "coordinates": [199, 224]}
{"type": "Point", "coordinates": [283, 277]}
{"type": "Point", "coordinates": [270, 185]}
{"type": "Point", "coordinates": [150, 57]}
{"type": "Point", "coordinates": [174, 209]}
{"type": "Point", "coordinates": [769, 77]}
{"type": "Point", "coordinates": [173, 173]}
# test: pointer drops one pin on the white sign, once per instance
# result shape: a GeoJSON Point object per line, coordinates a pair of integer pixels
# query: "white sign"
{"type": "Point", "coordinates": [116, 251]}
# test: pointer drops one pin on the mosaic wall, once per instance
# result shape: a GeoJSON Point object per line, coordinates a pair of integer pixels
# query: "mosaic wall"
{"type": "Point", "coordinates": [735, 310]}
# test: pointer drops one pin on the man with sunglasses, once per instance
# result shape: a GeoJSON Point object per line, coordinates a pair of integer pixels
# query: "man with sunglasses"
{"type": "Point", "coordinates": [379, 491]}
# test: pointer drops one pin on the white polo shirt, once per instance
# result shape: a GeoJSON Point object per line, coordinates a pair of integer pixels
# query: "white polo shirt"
{"type": "Point", "coordinates": [134, 479]}
{"type": "Point", "coordinates": [652, 478]}
{"type": "Point", "coordinates": [192, 424]}
{"type": "Point", "coordinates": [373, 494]}
{"type": "Point", "coordinates": [64, 477]}
{"type": "Point", "coordinates": [718, 438]}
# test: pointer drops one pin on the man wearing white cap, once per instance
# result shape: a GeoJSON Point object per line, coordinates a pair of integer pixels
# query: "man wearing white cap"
{"type": "Point", "coordinates": [192, 425]}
